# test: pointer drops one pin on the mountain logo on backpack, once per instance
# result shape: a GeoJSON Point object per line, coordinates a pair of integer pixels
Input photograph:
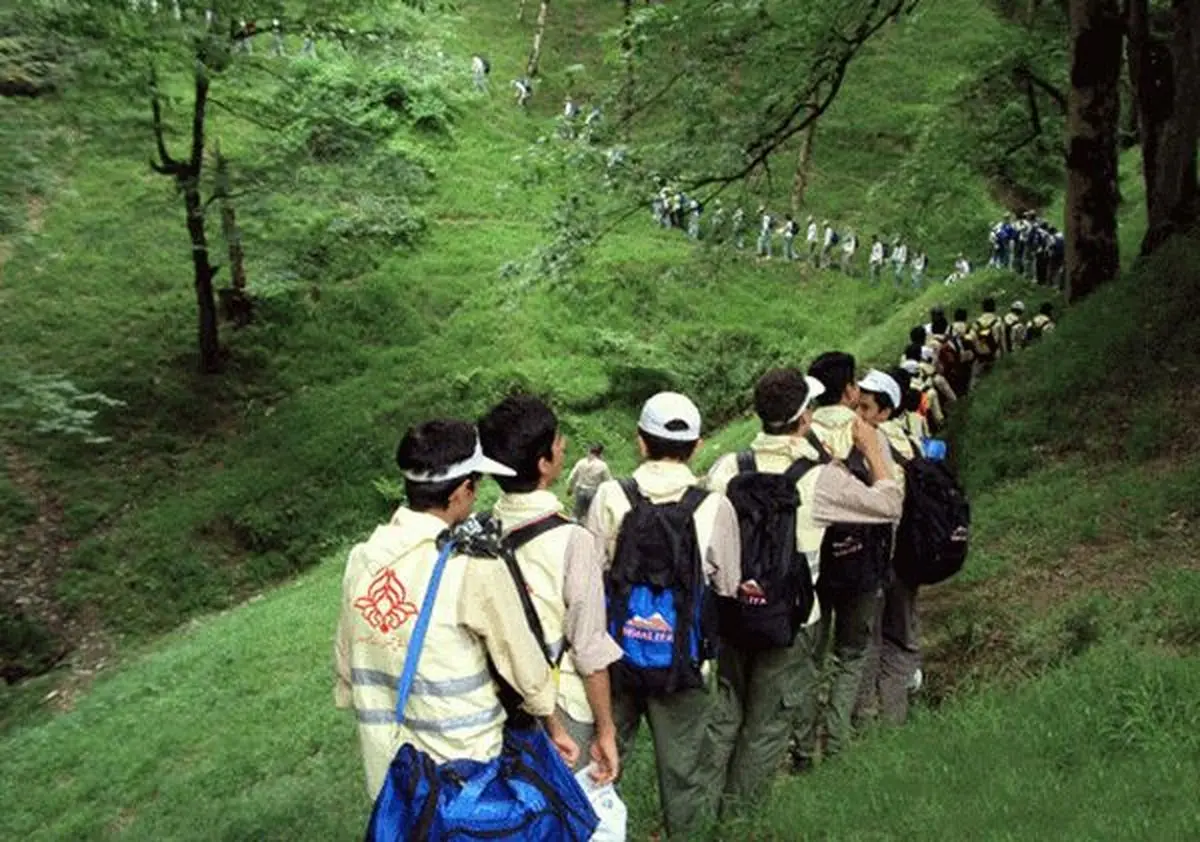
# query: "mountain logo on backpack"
{"type": "Point", "coordinates": [654, 628]}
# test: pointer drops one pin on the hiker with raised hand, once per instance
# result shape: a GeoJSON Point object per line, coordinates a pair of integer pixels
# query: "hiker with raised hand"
{"type": "Point", "coordinates": [673, 550]}
{"type": "Point", "coordinates": [436, 655]}
{"type": "Point", "coordinates": [894, 656]}
{"type": "Point", "coordinates": [854, 553]}
{"type": "Point", "coordinates": [585, 477]}
{"type": "Point", "coordinates": [785, 490]}
{"type": "Point", "coordinates": [561, 563]}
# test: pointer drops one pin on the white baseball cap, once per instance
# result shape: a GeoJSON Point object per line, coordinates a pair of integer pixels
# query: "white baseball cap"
{"type": "Point", "coordinates": [476, 463]}
{"type": "Point", "coordinates": [880, 383]}
{"type": "Point", "coordinates": [667, 408]}
{"type": "Point", "coordinates": [1018, 306]}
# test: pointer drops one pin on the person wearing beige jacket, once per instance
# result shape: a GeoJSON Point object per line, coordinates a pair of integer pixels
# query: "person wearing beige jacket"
{"type": "Point", "coordinates": [454, 711]}
{"type": "Point", "coordinates": [561, 562]}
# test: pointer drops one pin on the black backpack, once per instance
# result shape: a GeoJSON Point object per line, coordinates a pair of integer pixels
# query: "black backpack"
{"type": "Point", "coordinates": [766, 507]}
{"type": "Point", "coordinates": [855, 557]}
{"type": "Point", "coordinates": [931, 543]}
{"type": "Point", "coordinates": [660, 608]}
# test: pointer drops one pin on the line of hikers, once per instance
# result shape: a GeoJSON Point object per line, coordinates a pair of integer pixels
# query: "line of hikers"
{"type": "Point", "coordinates": [500, 664]}
{"type": "Point", "coordinates": [1029, 246]}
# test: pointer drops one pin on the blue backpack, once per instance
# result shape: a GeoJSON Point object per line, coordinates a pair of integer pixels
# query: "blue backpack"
{"type": "Point", "coordinates": [660, 609]}
{"type": "Point", "coordinates": [527, 793]}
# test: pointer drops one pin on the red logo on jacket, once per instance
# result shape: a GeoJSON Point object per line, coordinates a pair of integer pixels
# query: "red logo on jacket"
{"type": "Point", "coordinates": [386, 606]}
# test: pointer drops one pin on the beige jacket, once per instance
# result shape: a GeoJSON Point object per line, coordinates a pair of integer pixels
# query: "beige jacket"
{"type": "Point", "coordinates": [828, 494]}
{"type": "Point", "coordinates": [563, 569]}
{"type": "Point", "coordinates": [454, 709]}
{"type": "Point", "coordinates": [666, 482]}
{"type": "Point", "coordinates": [587, 475]}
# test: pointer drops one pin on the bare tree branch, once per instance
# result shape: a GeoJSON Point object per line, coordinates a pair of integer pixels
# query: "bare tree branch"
{"type": "Point", "coordinates": [166, 164]}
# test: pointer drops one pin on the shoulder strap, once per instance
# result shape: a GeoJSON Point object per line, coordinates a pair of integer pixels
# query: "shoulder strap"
{"type": "Point", "coordinates": [800, 467]}
{"type": "Point", "coordinates": [404, 684]}
{"type": "Point", "coordinates": [745, 462]}
{"type": "Point", "coordinates": [898, 457]}
{"type": "Point", "coordinates": [819, 446]}
{"type": "Point", "coordinates": [692, 499]}
{"type": "Point", "coordinates": [522, 535]}
{"type": "Point", "coordinates": [527, 608]}
{"type": "Point", "coordinates": [632, 493]}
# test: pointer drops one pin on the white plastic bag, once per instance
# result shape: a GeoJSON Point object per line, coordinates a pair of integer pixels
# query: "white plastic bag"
{"type": "Point", "coordinates": [608, 806]}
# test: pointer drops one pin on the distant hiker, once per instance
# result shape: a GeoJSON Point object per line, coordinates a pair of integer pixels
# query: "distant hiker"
{"type": "Point", "coordinates": [694, 212]}
{"type": "Point", "coordinates": [855, 552]}
{"type": "Point", "coordinates": [766, 223]}
{"type": "Point", "coordinates": [587, 475]}
{"type": "Point", "coordinates": [876, 258]}
{"type": "Point", "coordinates": [828, 240]}
{"type": "Point", "coordinates": [812, 240]}
{"type": "Point", "coordinates": [309, 49]}
{"type": "Point", "coordinates": [849, 247]}
{"type": "Point", "coordinates": [919, 264]}
{"type": "Point", "coordinates": [894, 656]}
{"type": "Point", "coordinates": [453, 628]}
{"type": "Point", "coordinates": [962, 268]}
{"type": "Point", "coordinates": [790, 229]}
{"type": "Point", "coordinates": [570, 109]}
{"type": "Point", "coordinates": [277, 47]}
{"type": "Point", "coordinates": [210, 19]}
{"type": "Point", "coordinates": [480, 68]}
{"type": "Point", "coordinates": [786, 492]}
{"type": "Point", "coordinates": [524, 89]}
{"type": "Point", "coordinates": [1013, 335]}
{"type": "Point", "coordinates": [899, 259]}
{"type": "Point", "coordinates": [661, 209]}
{"type": "Point", "coordinates": [562, 566]}
{"type": "Point", "coordinates": [738, 222]}
{"type": "Point", "coordinates": [1057, 257]}
{"type": "Point", "coordinates": [716, 225]}
{"type": "Point", "coordinates": [1041, 324]}
{"type": "Point", "coordinates": [593, 117]}
{"type": "Point", "coordinates": [672, 550]}
{"type": "Point", "coordinates": [986, 336]}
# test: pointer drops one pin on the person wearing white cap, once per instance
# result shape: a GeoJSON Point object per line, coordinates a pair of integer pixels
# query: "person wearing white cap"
{"type": "Point", "coordinates": [849, 592]}
{"type": "Point", "coordinates": [665, 491]}
{"type": "Point", "coordinates": [454, 711]}
{"type": "Point", "coordinates": [1012, 338]}
{"type": "Point", "coordinates": [766, 694]}
{"type": "Point", "coordinates": [561, 562]}
{"type": "Point", "coordinates": [894, 656]}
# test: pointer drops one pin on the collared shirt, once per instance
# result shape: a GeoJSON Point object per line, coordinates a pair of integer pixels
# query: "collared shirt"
{"type": "Point", "coordinates": [665, 482]}
{"type": "Point", "coordinates": [587, 475]}
{"type": "Point", "coordinates": [584, 623]}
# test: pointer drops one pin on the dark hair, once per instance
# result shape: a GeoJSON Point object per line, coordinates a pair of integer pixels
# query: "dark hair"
{"type": "Point", "coordinates": [960, 315]}
{"type": "Point", "coordinates": [596, 449]}
{"type": "Point", "coordinates": [1047, 309]}
{"type": "Point", "coordinates": [913, 352]}
{"type": "Point", "coordinates": [658, 448]}
{"type": "Point", "coordinates": [935, 311]}
{"type": "Point", "coordinates": [428, 447]}
{"type": "Point", "coordinates": [519, 432]}
{"type": "Point", "coordinates": [910, 398]}
{"type": "Point", "coordinates": [918, 335]}
{"type": "Point", "coordinates": [835, 370]}
{"type": "Point", "coordinates": [882, 399]}
{"type": "Point", "coordinates": [989, 305]}
{"type": "Point", "coordinates": [939, 324]}
{"type": "Point", "coordinates": [777, 396]}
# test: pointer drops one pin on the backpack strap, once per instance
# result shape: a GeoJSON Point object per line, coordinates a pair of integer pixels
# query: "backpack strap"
{"type": "Point", "coordinates": [819, 446]}
{"type": "Point", "coordinates": [404, 683]}
{"type": "Point", "coordinates": [522, 535]}
{"type": "Point", "coordinates": [632, 493]}
{"type": "Point", "coordinates": [745, 462]}
{"type": "Point", "coordinates": [509, 546]}
{"type": "Point", "coordinates": [692, 499]}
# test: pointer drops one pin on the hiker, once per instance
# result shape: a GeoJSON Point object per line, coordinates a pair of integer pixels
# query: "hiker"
{"type": "Point", "coordinates": [570, 109]}
{"type": "Point", "coordinates": [593, 117]}
{"type": "Point", "coordinates": [767, 680]}
{"type": "Point", "coordinates": [1056, 260]}
{"type": "Point", "coordinates": [985, 335]}
{"type": "Point", "coordinates": [693, 228]}
{"type": "Point", "coordinates": [1041, 324]}
{"type": "Point", "coordinates": [828, 241]}
{"type": "Point", "coordinates": [1013, 335]}
{"type": "Point", "coordinates": [480, 68]}
{"type": "Point", "coordinates": [668, 543]}
{"type": "Point", "coordinates": [930, 382]}
{"type": "Point", "coordinates": [894, 656]}
{"type": "Point", "coordinates": [738, 224]}
{"type": "Point", "coordinates": [309, 48]}
{"type": "Point", "coordinates": [766, 223]}
{"type": "Point", "coordinates": [876, 258]}
{"type": "Point", "coordinates": [854, 553]}
{"type": "Point", "coordinates": [899, 259]}
{"type": "Point", "coordinates": [962, 268]}
{"type": "Point", "coordinates": [919, 264]}
{"type": "Point", "coordinates": [524, 90]}
{"type": "Point", "coordinates": [812, 240]}
{"type": "Point", "coordinates": [277, 46]}
{"type": "Point", "coordinates": [585, 477]}
{"type": "Point", "coordinates": [849, 247]}
{"type": "Point", "coordinates": [790, 229]}
{"type": "Point", "coordinates": [956, 355]}
{"type": "Point", "coordinates": [561, 563]}
{"type": "Point", "coordinates": [451, 626]}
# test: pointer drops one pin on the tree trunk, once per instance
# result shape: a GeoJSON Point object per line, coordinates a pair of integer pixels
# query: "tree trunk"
{"type": "Point", "coordinates": [1171, 189]}
{"type": "Point", "coordinates": [210, 348]}
{"type": "Point", "coordinates": [627, 99]}
{"type": "Point", "coordinates": [803, 164]}
{"type": "Point", "coordinates": [1093, 118]}
{"type": "Point", "coordinates": [535, 55]}
{"type": "Point", "coordinates": [1151, 87]}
